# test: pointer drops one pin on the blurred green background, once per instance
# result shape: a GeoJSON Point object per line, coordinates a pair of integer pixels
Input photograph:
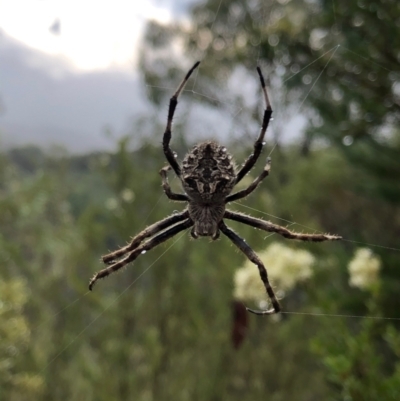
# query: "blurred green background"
{"type": "Point", "coordinates": [171, 326]}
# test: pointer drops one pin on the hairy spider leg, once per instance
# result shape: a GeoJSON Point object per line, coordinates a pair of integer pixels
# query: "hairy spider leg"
{"type": "Point", "coordinates": [147, 246]}
{"type": "Point", "coordinates": [252, 256]}
{"type": "Point", "coordinates": [259, 143]}
{"type": "Point", "coordinates": [146, 233]}
{"type": "Point", "coordinates": [167, 189]}
{"type": "Point", "coordinates": [243, 193]}
{"type": "Point", "coordinates": [274, 228]}
{"type": "Point", "coordinates": [169, 154]}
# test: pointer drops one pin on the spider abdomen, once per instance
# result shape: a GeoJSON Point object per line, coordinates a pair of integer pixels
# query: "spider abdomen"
{"type": "Point", "coordinates": [206, 217]}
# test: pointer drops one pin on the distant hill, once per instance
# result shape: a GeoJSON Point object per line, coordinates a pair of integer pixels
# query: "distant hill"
{"type": "Point", "coordinates": [44, 101]}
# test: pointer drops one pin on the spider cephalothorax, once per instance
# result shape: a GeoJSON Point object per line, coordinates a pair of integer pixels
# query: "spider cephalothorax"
{"type": "Point", "coordinates": [208, 175]}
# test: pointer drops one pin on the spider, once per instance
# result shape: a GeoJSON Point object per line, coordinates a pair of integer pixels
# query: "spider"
{"type": "Point", "coordinates": [208, 175]}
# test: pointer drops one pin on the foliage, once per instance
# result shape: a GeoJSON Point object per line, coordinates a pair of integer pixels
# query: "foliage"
{"type": "Point", "coordinates": [361, 360]}
{"type": "Point", "coordinates": [162, 329]}
{"type": "Point", "coordinates": [14, 340]}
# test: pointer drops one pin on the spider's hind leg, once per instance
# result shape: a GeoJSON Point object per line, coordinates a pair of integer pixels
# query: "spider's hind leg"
{"type": "Point", "coordinates": [252, 256]}
{"type": "Point", "coordinates": [274, 228]}
{"type": "Point", "coordinates": [147, 246]}
{"type": "Point", "coordinates": [155, 228]}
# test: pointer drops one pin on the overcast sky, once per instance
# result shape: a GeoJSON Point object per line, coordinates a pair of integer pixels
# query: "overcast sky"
{"type": "Point", "coordinates": [68, 72]}
{"type": "Point", "coordinates": [90, 34]}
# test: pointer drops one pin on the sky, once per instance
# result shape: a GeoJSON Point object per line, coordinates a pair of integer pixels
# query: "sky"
{"type": "Point", "coordinates": [68, 69]}
{"type": "Point", "coordinates": [88, 34]}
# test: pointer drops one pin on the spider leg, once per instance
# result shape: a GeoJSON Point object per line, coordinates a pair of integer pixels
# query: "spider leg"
{"type": "Point", "coordinates": [259, 143]}
{"type": "Point", "coordinates": [252, 256]}
{"type": "Point", "coordinates": [167, 189]}
{"type": "Point", "coordinates": [147, 232]}
{"type": "Point", "coordinates": [167, 134]}
{"type": "Point", "coordinates": [274, 228]}
{"type": "Point", "coordinates": [252, 186]}
{"type": "Point", "coordinates": [148, 245]}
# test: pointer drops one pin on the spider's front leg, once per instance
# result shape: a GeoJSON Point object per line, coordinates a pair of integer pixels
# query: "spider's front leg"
{"type": "Point", "coordinates": [167, 189]}
{"type": "Point", "coordinates": [150, 244]}
{"type": "Point", "coordinates": [259, 143]}
{"type": "Point", "coordinates": [252, 186]}
{"type": "Point", "coordinates": [169, 154]}
{"type": "Point", "coordinates": [252, 256]}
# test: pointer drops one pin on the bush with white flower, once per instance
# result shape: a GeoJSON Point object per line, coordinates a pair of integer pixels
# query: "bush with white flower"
{"type": "Point", "coordinates": [364, 269]}
{"type": "Point", "coordinates": [285, 267]}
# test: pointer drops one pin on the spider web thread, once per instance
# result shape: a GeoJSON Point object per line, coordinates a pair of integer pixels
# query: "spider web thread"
{"type": "Point", "coordinates": [112, 302]}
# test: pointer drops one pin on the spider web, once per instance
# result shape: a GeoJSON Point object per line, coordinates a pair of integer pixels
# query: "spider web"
{"type": "Point", "coordinates": [223, 101]}
{"type": "Point", "coordinates": [235, 112]}
{"type": "Point", "coordinates": [230, 119]}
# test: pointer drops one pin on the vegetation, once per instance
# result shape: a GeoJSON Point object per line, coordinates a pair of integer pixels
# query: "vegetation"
{"type": "Point", "coordinates": [171, 325]}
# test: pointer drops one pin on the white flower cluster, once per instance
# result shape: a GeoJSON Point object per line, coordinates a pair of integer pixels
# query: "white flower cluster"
{"type": "Point", "coordinates": [285, 267]}
{"type": "Point", "coordinates": [364, 269]}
